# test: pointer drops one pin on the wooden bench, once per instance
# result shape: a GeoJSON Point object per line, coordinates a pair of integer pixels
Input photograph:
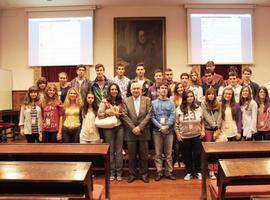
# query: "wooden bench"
{"type": "Point", "coordinates": [212, 151]}
{"type": "Point", "coordinates": [59, 152]}
{"type": "Point", "coordinates": [46, 179]}
{"type": "Point", "coordinates": [245, 177]}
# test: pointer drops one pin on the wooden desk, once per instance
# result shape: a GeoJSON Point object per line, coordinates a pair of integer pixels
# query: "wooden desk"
{"type": "Point", "coordinates": [59, 152]}
{"type": "Point", "coordinates": [212, 151]}
{"type": "Point", "coordinates": [46, 178]}
{"type": "Point", "coordinates": [245, 171]}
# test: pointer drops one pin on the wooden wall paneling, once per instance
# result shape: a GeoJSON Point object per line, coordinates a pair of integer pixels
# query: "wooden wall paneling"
{"type": "Point", "coordinates": [17, 98]}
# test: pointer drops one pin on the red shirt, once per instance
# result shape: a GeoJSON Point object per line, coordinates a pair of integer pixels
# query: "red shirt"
{"type": "Point", "coordinates": [51, 117]}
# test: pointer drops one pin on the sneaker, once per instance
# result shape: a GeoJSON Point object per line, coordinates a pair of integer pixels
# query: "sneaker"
{"type": "Point", "coordinates": [212, 175]}
{"type": "Point", "coordinates": [187, 177]}
{"type": "Point", "coordinates": [199, 176]}
{"type": "Point", "coordinates": [112, 178]}
{"type": "Point", "coordinates": [119, 178]}
{"type": "Point", "coordinates": [182, 165]}
{"type": "Point", "coordinates": [176, 165]}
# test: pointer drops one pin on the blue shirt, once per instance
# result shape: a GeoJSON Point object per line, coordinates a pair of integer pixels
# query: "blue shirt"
{"type": "Point", "coordinates": [163, 111]}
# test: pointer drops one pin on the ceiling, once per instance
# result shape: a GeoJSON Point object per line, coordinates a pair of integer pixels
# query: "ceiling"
{"type": "Point", "coordinates": [12, 4]}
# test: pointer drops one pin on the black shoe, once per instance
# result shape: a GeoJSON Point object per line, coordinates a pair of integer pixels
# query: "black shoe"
{"type": "Point", "coordinates": [145, 179]}
{"type": "Point", "coordinates": [158, 177]}
{"type": "Point", "coordinates": [171, 177]}
{"type": "Point", "coordinates": [131, 179]}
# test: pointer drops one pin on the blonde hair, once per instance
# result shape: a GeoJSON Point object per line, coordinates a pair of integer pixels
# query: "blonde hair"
{"type": "Point", "coordinates": [78, 102]}
{"type": "Point", "coordinates": [55, 99]}
{"type": "Point", "coordinates": [198, 81]}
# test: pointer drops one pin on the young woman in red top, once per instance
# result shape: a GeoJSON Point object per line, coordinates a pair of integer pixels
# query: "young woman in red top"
{"type": "Point", "coordinates": [51, 114]}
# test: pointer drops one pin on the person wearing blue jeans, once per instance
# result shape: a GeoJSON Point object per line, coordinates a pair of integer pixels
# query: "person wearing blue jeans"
{"type": "Point", "coordinates": [112, 106]}
{"type": "Point", "coordinates": [115, 137]}
{"type": "Point", "coordinates": [163, 117]}
{"type": "Point", "coordinates": [71, 135]}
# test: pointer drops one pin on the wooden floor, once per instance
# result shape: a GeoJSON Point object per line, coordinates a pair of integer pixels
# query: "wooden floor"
{"type": "Point", "coordinates": [163, 190]}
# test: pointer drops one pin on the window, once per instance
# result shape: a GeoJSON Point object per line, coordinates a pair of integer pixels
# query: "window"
{"type": "Point", "coordinates": [224, 36]}
{"type": "Point", "coordinates": [60, 38]}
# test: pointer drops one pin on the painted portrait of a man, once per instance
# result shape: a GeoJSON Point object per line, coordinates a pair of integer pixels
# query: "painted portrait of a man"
{"type": "Point", "coordinates": [140, 40]}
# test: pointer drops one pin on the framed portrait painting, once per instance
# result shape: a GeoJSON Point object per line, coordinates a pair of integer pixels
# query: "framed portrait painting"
{"type": "Point", "coordinates": [139, 40]}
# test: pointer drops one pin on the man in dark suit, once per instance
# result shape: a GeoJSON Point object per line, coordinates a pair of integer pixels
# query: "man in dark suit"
{"type": "Point", "coordinates": [136, 116]}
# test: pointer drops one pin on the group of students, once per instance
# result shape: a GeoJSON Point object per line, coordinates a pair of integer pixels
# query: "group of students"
{"type": "Point", "coordinates": [179, 115]}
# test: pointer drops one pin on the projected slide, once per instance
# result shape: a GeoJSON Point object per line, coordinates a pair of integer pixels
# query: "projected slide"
{"type": "Point", "coordinates": [60, 41]}
{"type": "Point", "coordinates": [225, 42]}
{"type": "Point", "coordinates": [54, 46]}
{"type": "Point", "coordinates": [224, 38]}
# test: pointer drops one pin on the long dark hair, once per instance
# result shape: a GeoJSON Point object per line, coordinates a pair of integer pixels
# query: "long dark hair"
{"type": "Point", "coordinates": [118, 98]}
{"type": "Point", "coordinates": [184, 105]}
{"type": "Point", "coordinates": [27, 99]}
{"type": "Point", "coordinates": [177, 98]}
{"type": "Point", "coordinates": [40, 81]}
{"type": "Point", "coordinates": [211, 105]}
{"type": "Point", "coordinates": [243, 100]}
{"type": "Point", "coordinates": [266, 100]}
{"type": "Point", "coordinates": [86, 105]}
{"type": "Point", "coordinates": [175, 92]}
{"type": "Point", "coordinates": [232, 104]}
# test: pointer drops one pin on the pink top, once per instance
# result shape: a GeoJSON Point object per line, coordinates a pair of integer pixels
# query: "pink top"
{"type": "Point", "coordinates": [51, 115]}
{"type": "Point", "coordinates": [262, 119]}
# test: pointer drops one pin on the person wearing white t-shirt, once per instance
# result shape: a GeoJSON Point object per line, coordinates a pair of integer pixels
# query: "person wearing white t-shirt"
{"type": "Point", "coordinates": [121, 80]}
{"type": "Point", "coordinates": [234, 85]}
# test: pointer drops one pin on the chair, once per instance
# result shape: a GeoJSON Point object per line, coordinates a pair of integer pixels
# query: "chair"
{"type": "Point", "coordinates": [4, 127]}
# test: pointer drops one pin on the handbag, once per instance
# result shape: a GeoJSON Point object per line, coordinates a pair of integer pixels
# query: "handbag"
{"type": "Point", "coordinates": [107, 122]}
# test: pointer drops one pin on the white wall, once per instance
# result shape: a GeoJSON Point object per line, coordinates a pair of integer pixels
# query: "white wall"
{"type": "Point", "coordinates": [261, 44]}
{"type": "Point", "coordinates": [0, 36]}
{"type": "Point", "coordinates": [13, 40]}
{"type": "Point", "coordinates": [5, 89]}
{"type": "Point", "coordinates": [14, 48]}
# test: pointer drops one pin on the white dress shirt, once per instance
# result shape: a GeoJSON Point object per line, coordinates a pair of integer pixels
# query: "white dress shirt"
{"type": "Point", "coordinates": [137, 104]}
